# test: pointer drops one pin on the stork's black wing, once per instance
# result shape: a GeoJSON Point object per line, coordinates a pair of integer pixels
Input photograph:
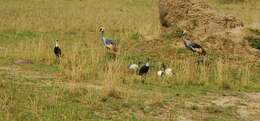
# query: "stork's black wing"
{"type": "Point", "coordinates": [57, 51]}
{"type": "Point", "coordinates": [143, 70]}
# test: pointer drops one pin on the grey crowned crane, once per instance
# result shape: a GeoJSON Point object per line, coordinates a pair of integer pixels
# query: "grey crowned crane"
{"type": "Point", "coordinates": [144, 69]}
{"type": "Point", "coordinates": [194, 47]}
{"type": "Point", "coordinates": [164, 71]}
{"type": "Point", "coordinates": [108, 43]}
{"type": "Point", "coordinates": [57, 50]}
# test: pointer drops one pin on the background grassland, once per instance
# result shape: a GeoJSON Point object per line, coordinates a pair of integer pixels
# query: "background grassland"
{"type": "Point", "coordinates": [91, 84]}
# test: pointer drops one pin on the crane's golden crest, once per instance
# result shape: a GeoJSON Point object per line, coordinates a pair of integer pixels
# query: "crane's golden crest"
{"type": "Point", "coordinates": [110, 46]}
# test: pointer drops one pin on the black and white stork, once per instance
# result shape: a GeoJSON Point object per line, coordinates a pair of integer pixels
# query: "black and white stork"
{"type": "Point", "coordinates": [57, 50]}
{"type": "Point", "coordinates": [144, 69]}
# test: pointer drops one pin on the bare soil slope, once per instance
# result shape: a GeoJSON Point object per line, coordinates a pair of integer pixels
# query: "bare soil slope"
{"type": "Point", "coordinates": [212, 29]}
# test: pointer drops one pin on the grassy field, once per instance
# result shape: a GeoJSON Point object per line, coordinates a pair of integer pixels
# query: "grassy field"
{"type": "Point", "coordinates": [91, 84]}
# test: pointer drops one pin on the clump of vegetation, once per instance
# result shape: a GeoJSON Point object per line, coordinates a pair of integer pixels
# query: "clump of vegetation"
{"type": "Point", "coordinates": [175, 32]}
{"type": "Point", "coordinates": [254, 40]}
{"type": "Point", "coordinates": [135, 36]}
{"type": "Point", "coordinates": [255, 31]}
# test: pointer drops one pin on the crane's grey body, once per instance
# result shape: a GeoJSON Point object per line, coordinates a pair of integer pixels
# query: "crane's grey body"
{"type": "Point", "coordinates": [190, 44]}
{"type": "Point", "coordinates": [108, 43]}
{"type": "Point", "coordinates": [194, 47]}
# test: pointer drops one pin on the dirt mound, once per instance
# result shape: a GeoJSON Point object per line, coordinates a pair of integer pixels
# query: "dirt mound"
{"type": "Point", "coordinates": [203, 23]}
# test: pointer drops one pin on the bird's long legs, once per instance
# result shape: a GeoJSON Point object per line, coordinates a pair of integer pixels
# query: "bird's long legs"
{"type": "Point", "coordinates": [143, 78]}
{"type": "Point", "coordinates": [58, 60]}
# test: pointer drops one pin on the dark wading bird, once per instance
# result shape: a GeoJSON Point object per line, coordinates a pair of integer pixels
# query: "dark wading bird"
{"type": "Point", "coordinates": [108, 43]}
{"type": "Point", "coordinates": [144, 69]}
{"type": "Point", "coordinates": [194, 47]}
{"type": "Point", "coordinates": [57, 50]}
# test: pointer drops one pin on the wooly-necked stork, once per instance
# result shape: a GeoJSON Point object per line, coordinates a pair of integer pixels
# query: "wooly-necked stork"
{"type": "Point", "coordinates": [57, 50]}
{"type": "Point", "coordinates": [164, 71]}
{"type": "Point", "coordinates": [194, 47]}
{"type": "Point", "coordinates": [108, 43]}
{"type": "Point", "coordinates": [144, 69]}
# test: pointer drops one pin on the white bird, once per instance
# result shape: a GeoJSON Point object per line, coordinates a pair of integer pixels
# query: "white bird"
{"type": "Point", "coordinates": [168, 72]}
{"type": "Point", "coordinates": [160, 73]}
{"type": "Point", "coordinates": [133, 66]}
{"type": "Point", "coordinates": [164, 71]}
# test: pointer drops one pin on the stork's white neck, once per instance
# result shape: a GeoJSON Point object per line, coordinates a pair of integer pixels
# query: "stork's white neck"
{"type": "Point", "coordinates": [147, 64]}
{"type": "Point", "coordinates": [56, 44]}
{"type": "Point", "coordinates": [163, 67]}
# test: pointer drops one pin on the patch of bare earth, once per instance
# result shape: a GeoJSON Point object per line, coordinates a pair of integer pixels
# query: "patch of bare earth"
{"type": "Point", "coordinates": [235, 107]}
{"type": "Point", "coordinates": [251, 109]}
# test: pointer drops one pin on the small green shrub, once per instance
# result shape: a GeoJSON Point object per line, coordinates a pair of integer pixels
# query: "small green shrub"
{"type": "Point", "coordinates": [255, 31]}
{"type": "Point", "coordinates": [254, 42]}
{"type": "Point", "coordinates": [135, 36]}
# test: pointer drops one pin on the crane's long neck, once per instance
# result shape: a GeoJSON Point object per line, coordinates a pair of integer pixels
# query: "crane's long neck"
{"type": "Point", "coordinates": [102, 37]}
{"type": "Point", "coordinates": [185, 39]}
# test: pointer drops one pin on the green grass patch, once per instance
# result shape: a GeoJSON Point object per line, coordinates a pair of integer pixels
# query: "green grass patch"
{"type": "Point", "coordinates": [10, 36]}
{"type": "Point", "coordinates": [45, 68]}
{"type": "Point", "coordinates": [255, 42]}
{"type": "Point", "coordinates": [182, 50]}
{"type": "Point", "coordinates": [135, 36]}
{"type": "Point", "coordinates": [255, 31]}
{"type": "Point", "coordinates": [34, 102]}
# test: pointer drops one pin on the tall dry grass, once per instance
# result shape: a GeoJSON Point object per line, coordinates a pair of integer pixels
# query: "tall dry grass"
{"type": "Point", "coordinates": [84, 59]}
{"type": "Point", "coordinates": [91, 82]}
